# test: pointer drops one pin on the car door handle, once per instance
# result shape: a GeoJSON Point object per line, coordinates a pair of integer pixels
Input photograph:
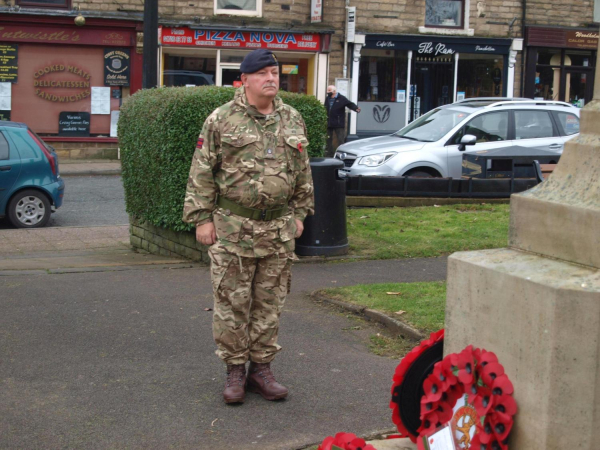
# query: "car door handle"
{"type": "Point", "coordinates": [555, 145]}
{"type": "Point", "coordinates": [5, 168]}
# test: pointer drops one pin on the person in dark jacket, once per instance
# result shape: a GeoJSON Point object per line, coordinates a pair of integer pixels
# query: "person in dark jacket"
{"type": "Point", "coordinates": [336, 105]}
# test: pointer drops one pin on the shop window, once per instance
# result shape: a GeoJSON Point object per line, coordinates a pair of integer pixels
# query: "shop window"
{"type": "Point", "coordinates": [480, 75]}
{"type": "Point", "coordinates": [189, 71]}
{"type": "Point", "coordinates": [382, 76]}
{"type": "Point", "coordinates": [239, 7]}
{"type": "Point", "coordinates": [44, 3]}
{"type": "Point", "coordinates": [444, 13]}
{"type": "Point", "coordinates": [533, 125]}
{"type": "Point", "coordinates": [568, 122]}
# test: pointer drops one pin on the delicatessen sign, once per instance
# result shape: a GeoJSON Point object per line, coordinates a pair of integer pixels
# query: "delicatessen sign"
{"type": "Point", "coordinates": [239, 39]}
{"type": "Point", "coordinates": [62, 83]}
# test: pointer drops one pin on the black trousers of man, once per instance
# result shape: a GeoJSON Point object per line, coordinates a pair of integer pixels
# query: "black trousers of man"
{"type": "Point", "coordinates": [340, 136]}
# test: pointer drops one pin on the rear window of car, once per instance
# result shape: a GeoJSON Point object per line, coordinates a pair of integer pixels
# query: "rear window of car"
{"type": "Point", "coordinates": [27, 148]}
{"type": "Point", "coordinates": [4, 150]}
{"type": "Point", "coordinates": [533, 124]}
{"type": "Point", "coordinates": [568, 122]}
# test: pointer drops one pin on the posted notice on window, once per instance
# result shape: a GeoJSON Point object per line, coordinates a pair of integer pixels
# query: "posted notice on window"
{"type": "Point", "coordinates": [5, 96]}
{"type": "Point", "coordinates": [100, 100]}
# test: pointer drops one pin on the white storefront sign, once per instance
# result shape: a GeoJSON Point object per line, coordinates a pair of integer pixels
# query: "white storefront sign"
{"type": "Point", "coordinates": [316, 11]}
{"type": "Point", "coordinates": [351, 24]}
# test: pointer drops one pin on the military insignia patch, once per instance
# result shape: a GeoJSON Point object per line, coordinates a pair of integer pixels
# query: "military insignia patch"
{"type": "Point", "coordinates": [200, 142]}
{"type": "Point", "coordinates": [275, 59]}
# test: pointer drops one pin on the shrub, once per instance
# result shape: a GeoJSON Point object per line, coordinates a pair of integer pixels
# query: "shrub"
{"type": "Point", "coordinates": [158, 130]}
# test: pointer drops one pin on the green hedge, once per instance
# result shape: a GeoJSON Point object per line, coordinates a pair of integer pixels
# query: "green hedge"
{"type": "Point", "coordinates": [158, 130]}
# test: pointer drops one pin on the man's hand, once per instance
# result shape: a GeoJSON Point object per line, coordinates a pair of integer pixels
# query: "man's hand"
{"type": "Point", "coordinates": [357, 110]}
{"type": "Point", "coordinates": [205, 234]}
{"type": "Point", "coordinates": [299, 228]}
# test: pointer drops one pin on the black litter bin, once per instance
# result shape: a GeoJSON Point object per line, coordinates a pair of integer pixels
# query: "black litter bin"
{"type": "Point", "coordinates": [325, 232]}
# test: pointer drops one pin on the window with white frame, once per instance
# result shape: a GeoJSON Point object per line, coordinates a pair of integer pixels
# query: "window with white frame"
{"type": "Point", "coordinates": [444, 13]}
{"type": "Point", "coordinates": [239, 7]}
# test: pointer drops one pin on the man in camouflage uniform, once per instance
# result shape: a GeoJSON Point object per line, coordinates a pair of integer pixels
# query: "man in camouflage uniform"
{"type": "Point", "coordinates": [250, 188]}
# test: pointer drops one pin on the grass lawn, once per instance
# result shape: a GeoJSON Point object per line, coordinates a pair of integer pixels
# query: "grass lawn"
{"type": "Point", "coordinates": [389, 233]}
{"type": "Point", "coordinates": [421, 305]}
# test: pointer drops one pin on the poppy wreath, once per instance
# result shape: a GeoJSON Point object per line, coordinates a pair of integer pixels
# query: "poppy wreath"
{"type": "Point", "coordinates": [399, 377]}
{"type": "Point", "coordinates": [345, 441]}
{"type": "Point", "coordinates": [477, 373]}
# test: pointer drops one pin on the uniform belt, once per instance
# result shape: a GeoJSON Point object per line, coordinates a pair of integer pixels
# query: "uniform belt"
{"type": "Point", "coordinates": [251, 213]}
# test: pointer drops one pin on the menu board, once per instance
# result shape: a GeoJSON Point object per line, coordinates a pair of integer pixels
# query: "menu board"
{"type": "Point", "coordinates": [8, 62]}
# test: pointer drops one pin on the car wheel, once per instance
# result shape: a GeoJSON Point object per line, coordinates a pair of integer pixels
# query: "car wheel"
{"type": "Point", "coordinates": [29, 209]}
{"type": "Point", "coordinates": [418, 174]}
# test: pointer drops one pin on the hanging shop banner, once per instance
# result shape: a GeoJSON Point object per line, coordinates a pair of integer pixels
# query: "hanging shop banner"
{"type": "Point", "coordinates": [431, 46]}
{"type": "Point", "coordinates": [316, 11]}
{"type": "Point", "coordinates": [239, 39]}
{"type": "Point", "coordinates": [8, 62]}
{"type": "Point", "coordinates": [65, 35]}
{"type": "Point", "coordinates": [74, 124]}
{"type": "Point", "coordinates": [116, 67]}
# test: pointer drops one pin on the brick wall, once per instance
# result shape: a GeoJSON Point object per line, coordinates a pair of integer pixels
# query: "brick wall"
{"type": "Point", "coordinates": [160, 241]}
{"type": "Point", "coordinates": [86, 150]}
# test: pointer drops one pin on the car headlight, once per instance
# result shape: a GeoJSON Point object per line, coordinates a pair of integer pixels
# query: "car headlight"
{"type": "Point", "coordinates": [375, 160]}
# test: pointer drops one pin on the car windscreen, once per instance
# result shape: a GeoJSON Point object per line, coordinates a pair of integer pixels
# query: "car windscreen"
{"type": "Point", "coordinates": [433, 125]}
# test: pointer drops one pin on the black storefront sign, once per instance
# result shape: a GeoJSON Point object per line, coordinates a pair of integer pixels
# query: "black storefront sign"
{"type": "Point", "coordinates": [9, 62]}
{"type": "Point", "coordinates": [76, 124]}
{"type": "Point", "coordinates": [116, 67]}
{"type": "Point", "coordinates": [435, 46]}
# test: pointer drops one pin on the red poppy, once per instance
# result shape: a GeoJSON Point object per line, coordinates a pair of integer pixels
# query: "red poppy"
{"type": "Point", "coordinates": [482, 401]}
{"type": "Point", "coordinates": [490, 372]}
{"type": "Point", "coordinates": [466, 366]}
{"type": "Point", "coordinates": [486, 358]}
{"type": "Point", "coordinates": [442, 377]}
{"type": "Point", "coordinates": [501, 429]}
{"type": "Point", "coordinates": [432, 389]}
{"type": "Point", "coordinates": [429, 425]}
{"type": "Point", "coordinates": [505, 407]}
{"type": "Point", "coordinates": [345, 441]}
{"type": "Point", "coordinates": [502, 385]}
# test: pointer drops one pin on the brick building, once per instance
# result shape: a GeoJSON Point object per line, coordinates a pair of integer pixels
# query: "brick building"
{"type": "Point", "coordinates": [438, 50]}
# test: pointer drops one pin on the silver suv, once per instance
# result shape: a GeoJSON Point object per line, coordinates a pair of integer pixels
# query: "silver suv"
{"type": "Point", "coordinates": [433, 145]}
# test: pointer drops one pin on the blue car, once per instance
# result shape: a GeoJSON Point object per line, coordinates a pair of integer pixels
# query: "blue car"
{"type": "Point", "coordinates": [30, 185]}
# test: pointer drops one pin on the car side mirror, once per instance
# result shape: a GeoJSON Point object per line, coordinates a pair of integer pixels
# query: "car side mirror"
{"type": "Point", "coordinates": [467, 139]}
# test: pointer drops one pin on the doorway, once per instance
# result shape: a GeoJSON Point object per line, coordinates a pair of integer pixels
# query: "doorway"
{"type": "Point", "coordinates": [433, 85]}
{"type": "Point", "coordinates": [229, 75]}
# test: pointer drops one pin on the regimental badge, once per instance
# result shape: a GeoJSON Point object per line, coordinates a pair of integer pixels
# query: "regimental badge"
{"type": "Point", "coordinates": [275, 59]}
{"type": "Point", "coordinates": [200, 143]}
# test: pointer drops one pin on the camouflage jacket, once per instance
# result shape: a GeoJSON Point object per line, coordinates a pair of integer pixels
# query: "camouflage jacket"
{"type": "Point", "coordinates": [256, 161]}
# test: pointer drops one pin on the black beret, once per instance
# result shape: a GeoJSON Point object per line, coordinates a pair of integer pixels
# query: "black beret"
{"type": "Point", "coordinates": [258, 59]}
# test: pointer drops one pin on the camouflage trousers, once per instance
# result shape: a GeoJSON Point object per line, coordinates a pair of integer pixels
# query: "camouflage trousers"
{"type": "Point", "coordinates": [249, 294]}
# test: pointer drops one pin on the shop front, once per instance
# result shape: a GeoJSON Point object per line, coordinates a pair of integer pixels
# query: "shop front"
{"type": "Point", "coordinates": [561, 64]}
{"type": "Point", "coordinates": [400, 78]}
{"type": "Point", "coordinates": [66, 82]}
{"type": "Point", "coordinates": [200, 57]}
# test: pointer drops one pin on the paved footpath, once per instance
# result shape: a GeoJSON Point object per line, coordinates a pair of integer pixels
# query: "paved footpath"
{"type": "Point", "coordinates": [125, 359]}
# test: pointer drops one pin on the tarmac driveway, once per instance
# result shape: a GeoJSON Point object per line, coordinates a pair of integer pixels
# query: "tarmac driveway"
{"type": "Point", "coordinates": [124, 359]}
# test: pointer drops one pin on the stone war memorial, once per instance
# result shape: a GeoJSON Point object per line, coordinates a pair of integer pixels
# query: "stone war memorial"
{"type": "Point", "coordinates": [536, 304]}
{"type": "Point", "coordinates": [518, 362]}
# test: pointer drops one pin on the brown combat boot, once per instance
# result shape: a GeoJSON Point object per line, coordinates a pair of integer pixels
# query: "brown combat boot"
{"type": "Point", "coordinates": [235, 387]}
{"type": "Point", "coordinates": [262, 381]}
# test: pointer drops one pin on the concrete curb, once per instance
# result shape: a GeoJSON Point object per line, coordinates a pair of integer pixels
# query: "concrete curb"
{"type": "Point", "coordinates": [397, 327]}
{"type": "Point", "coordinates": [68, 173]}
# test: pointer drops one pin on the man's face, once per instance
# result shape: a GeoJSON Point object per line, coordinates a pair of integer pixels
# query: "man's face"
{"type": "Point", "coordinates": [264, 83]}
{"type": "Point", "coordinates": [331, 90]}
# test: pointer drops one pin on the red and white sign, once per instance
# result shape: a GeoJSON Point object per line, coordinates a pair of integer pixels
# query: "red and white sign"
{"type": "Point", "coordinates": [316, 11]}
{"type": "Point", "coordinates": [240, 39]}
